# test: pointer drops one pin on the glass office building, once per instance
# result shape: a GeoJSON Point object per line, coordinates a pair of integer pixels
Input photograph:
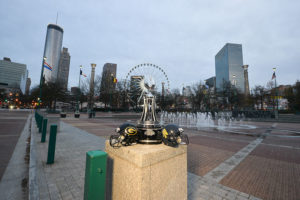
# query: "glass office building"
{"type": "Point", "coordinates": [64, 68]}
{"type": "Point", "coordinates": [52, 51]}
{"type": "Point", "coordinates": [108, 73]}
{"type": "Point", "coordinates": [13, 75]}
{"type": "Point", "coordinates": [229, 67]}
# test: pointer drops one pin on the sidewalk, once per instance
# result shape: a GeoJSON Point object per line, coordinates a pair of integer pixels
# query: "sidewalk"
{"type": "Point", "coordinates": [65, 178]}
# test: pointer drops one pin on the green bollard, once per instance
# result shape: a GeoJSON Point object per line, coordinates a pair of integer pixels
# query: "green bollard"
{"type": "Point", "coordinates": [43, 138]}
{"type": "Point", "coordinates": [41, 124]}
{"type": "Point", "coordinates": [36, 118]}
{"type": "Point", "coordinates": [95, 175]}
{"type": "Point", "coordinates": [51, 146]}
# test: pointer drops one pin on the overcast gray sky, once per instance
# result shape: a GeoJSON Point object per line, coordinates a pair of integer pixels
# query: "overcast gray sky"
{"type": "Point", "coordinates": [181, 36]}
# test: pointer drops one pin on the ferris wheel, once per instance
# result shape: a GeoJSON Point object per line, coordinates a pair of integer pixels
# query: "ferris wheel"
{"type": "Point", "coordinates": [146, 79]}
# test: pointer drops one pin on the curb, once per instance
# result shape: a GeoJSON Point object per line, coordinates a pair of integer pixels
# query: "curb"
{"type": "Point", "coordinates": [33, 185]}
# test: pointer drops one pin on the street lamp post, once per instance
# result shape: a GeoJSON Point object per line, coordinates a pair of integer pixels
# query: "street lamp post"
{"type": "Point", "coordinates": [276, 90]}
{"type": "Point", "coordinates": [77, 113]}
{"type": "Point", "coordinates": [110, 89]}
{"type": "Point", "coordinates": [92, 90]}
{"type": "Point", "coordinates": [41, 82]}
{"type": "Point", "coordinates": [234, 87]}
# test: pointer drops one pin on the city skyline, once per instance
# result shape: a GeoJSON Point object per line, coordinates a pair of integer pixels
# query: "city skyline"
{"type": "Point", "coordinates": [183, 39]}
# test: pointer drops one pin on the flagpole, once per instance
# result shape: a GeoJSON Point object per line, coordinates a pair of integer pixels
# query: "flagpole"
{"type": "Point", "coordinates": [41, 81]}
{"type": "Point", "coordinates": [77, 107]}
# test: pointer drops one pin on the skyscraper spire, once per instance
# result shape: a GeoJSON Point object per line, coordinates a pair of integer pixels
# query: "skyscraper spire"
{"type": "Point", "coordinates": [56, 18]}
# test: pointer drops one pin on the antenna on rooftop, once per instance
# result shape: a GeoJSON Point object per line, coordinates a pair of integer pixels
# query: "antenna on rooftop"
{"type": "Point", "coordinates": [56, 18]}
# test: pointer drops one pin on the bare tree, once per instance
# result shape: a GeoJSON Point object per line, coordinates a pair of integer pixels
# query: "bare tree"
{"type": "Point", "coordinates": [259, 93]}
{"type": "Point", "coordinates": [293, 96]}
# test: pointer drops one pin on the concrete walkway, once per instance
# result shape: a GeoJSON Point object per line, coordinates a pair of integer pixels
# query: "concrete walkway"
{"type": "Point", "coordinates": [65, 178]}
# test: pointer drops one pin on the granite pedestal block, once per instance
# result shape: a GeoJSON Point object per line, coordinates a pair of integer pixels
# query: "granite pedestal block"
{"type": "Point", "coordinates": [147, 172]}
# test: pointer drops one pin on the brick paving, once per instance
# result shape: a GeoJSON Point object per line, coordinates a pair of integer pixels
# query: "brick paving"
{"type": "Point", "coordinates": [272, 170]}
{"type": "Point", "coordinates": [201, 188]}
{"type": "Point", "coordinates": [266, 178]}
{"type": "Point", "coordinates": [202, 159]}
{"type": "Point", "coordinates": [277, 153]}
{"type": "Point", "coordinates": [224, 168]}
{"type": "Point", "coordinates": [283, 141]}
{"type": "Point", "coordinates": [218, 143]}
{"type": "Point", "coordinates": [219, 135]}
{"type": "Point", "coordinates": [213, 150]}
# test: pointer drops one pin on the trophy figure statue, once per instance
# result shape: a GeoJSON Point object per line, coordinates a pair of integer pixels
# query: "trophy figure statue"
{"type": "Point", "coordinates": [144, 81]}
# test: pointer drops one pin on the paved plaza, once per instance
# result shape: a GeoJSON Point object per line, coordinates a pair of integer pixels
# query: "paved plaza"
{"type": "Point", "coordinates": [260, 163]}
{"type": "Point", "coordinates": [251, 163]}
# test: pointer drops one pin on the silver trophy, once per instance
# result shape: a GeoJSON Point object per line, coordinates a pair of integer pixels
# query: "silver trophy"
{"type": "Point", "coordinates": [144, 83]}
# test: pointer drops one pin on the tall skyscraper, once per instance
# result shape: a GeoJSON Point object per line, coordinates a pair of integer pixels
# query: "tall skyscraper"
{"type": "Point", "coordinates": [52, 52]}
{"type": "Point", "coordinates": [229, 67]}
{"type": "Point", "coordinates": [109, 72]}
{"type": "Point", "coordinates": [28, 83]}
{"type": "Point", "coordinates": [23, 83]}
{"type": "Point", "coordinates": [63, 68]}
{"type": "Point", "coordinates": [107, 88]}
{"type": "Point", "coordinates": [13, 75]}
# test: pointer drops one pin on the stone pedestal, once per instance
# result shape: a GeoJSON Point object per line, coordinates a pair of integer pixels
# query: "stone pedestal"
{"type": "Point", "coordinates": [147, 172]}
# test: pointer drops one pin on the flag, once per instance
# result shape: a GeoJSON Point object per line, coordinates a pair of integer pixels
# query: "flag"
{"type": "Point", "coordinates": [47, 66]}
{"type": "Point", "coordinates": [82, 73]}
{"type": "Point", "coordinates": [273, 76]}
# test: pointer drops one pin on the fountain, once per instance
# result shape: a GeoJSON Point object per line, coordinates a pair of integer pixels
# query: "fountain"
{"type": "Point", "coordinates": [205, 120]}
